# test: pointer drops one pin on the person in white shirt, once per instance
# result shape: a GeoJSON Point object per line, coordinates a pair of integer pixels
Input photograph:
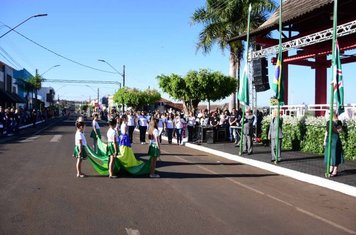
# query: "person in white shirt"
{"type": "Point", "coordinates": [154, 148]}
{"type": "Point", "coordinates": [80, 151]}
{"type": "Point", "coordinates": [160, 125]}
{"type": "Point", "coordinates": [179, 127]}
{"type": "Point", "coordinates": [124, 137]}
{"type": "Point", "coordinates": [142, 125]}
{"type": "Point", "coordinates": [131, 123]}
{"type": "Point", "coordinates": [191, 126]}
{"type": "Point", "coordinates": [170, 127]}
{"type": "Point", "coordinates": [95, 133]}
{"type": "Point", "coordinates": [112, 149]}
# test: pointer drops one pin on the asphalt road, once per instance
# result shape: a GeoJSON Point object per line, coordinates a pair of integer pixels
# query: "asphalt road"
{"type": "Point", "coordinates": [197, 193]}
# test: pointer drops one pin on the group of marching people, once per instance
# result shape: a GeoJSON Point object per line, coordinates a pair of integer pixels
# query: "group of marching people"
{"type": "Point", "coordinates": [108, 158]}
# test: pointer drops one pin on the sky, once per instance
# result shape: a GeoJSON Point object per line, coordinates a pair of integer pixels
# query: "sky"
{"type": "Point", "coordinates": [148, 37]}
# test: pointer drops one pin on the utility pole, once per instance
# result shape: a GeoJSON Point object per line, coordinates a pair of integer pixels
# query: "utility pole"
{"type": "Point", "coordinates": [34, 103]}
{"type": "Point", "coordinates": [123, 77]}
{"type": "Point", "coordinates": [98, 96]}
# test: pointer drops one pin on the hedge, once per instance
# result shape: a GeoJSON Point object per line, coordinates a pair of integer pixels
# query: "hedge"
{"type": "Point", "coordinates": [307, 134]}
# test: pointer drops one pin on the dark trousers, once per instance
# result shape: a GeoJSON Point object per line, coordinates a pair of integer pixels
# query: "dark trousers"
{"type": "Point", "coordinates": [190, 133]}
{"type": "Point", "coordinates": [170, 134]}
{"type": "Point", "coordinates": [131, 130]}
{"type": "Point", "coordinates": [143, 133]}
{"type": "Point", "coordinates": [179, 135]}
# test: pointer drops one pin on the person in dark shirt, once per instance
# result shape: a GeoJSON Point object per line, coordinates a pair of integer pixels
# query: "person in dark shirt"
{"type": "Point", "coordinates": [248, 131]}
{"type": "Point", "coordinates": [336, 157]}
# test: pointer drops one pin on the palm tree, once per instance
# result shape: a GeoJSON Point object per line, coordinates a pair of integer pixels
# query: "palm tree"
{"type": "Point", "coordinates": [27, 87]}
{"type": "Point", "coordinates": [36, 84]}
{"type": "Point", "coordinates": [224, 19]}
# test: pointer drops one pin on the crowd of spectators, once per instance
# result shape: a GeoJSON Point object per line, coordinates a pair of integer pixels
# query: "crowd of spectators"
{"type": "Point", "coordinates": [11, 119]}
{"type": "Point", "coordinates": [177, 124]}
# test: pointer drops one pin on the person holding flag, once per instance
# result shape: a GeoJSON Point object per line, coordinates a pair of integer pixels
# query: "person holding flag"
{"type": "Point", "coordinates": [278, 87]}
{"type": "Point", "coordinates": [243, 95]}
{"type": "Point", "coordinates": [336, 156]}
{"type": "Point", "coordinates": [272, 136]}
{"type": "Point", "coordinates": [333, 155]}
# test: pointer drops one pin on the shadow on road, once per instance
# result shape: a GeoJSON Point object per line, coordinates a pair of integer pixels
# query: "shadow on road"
{"type": "Point", "coordinates": [170, 163]}
{"type": "Point", "coordinates": [178, 175]}
{"type": "Point", "coordinates": [287, 159]}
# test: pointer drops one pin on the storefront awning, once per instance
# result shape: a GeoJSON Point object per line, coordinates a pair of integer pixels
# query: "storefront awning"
{"type": "Point", "coordinates": [11, 97]}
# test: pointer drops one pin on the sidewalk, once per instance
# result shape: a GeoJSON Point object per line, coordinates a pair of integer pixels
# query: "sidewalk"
{"type": "Point", "coordinates": [301, 166]}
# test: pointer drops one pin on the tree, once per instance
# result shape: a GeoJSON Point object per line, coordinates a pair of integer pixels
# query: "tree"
{"type": "Point", "coordinates": [135, 98]}
{"type": "Point", "coordinates": [27, 87]}
{"type": "Point", "coordinates": [36, 83]}
{"type": "Point", "coordinates": [150, 96]}
{"type": "Point", "coordinates": [197, 86]}
{"type": "Point", "coordinates": [224, 19]}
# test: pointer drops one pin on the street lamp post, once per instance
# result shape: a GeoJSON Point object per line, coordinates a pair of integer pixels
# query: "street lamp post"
{"type": "Point", "coordinates": [121, 74]}
{"type": "Point", "coordinates": [54, 66]}
{"type": "Point", "coordinates": [41, 78]}
{"type": "Point", "coordinates": [38, 15]}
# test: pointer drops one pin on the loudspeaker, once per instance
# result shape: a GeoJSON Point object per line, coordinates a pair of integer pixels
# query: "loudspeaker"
{"type": "Point", "coordinates": [262, 87]}
{"type": "Point", "coordinates": [209, 137]}
{"type": "Point", "coordinates": [260, 74]}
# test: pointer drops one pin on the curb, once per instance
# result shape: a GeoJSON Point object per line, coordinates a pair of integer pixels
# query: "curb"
{"type": "Point", "coordinates": [311, 179]}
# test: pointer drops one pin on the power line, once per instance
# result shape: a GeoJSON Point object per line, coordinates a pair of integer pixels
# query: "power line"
{"type": "Point", "coordinates": [8, 57]}
{"type": "Point", "coordinates": [81, 81]}
{"type": "Point", "coordinates": [5, 58]}
{"type": "Point", "coordinates": [59, 55]}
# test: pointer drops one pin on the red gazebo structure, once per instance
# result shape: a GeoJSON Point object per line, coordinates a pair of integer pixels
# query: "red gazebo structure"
{"type": "Point", "coordinates": [307, 30]}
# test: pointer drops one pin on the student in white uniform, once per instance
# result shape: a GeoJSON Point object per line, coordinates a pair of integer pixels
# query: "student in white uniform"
{"type": "Point", "coordinates": [131, 123]}
{"type": "Point", "coordinates": [80, 151]}
{"type": "Point", "coordinates": [142, 124]}
{"type": "Point", "coordinates": [112, 148]}
{"type": "Point", "coordinates": [95, 133]}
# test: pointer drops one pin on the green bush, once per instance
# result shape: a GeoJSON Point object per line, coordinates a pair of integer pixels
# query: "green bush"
{"type": "Point", "coordinates": [348, 138]}
{"type": "Point", "coordinates": [313, 140]}
{"type": "Point", "coordinates": [307, 134]}
{"type": "Point", "coordinates": [292, 133]}
{"type": "Point", "coordinates": [265, 127]}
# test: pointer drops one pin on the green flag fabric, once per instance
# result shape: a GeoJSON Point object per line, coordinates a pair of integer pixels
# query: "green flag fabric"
{"type": "Point", "coordinates": [125, 161]}
{"type": "Point", "coordinates": [243, 95]}
{"type": "Point", "coordinates": [338, 81]}
{"type": "Point", "coordinates": [277, 84]}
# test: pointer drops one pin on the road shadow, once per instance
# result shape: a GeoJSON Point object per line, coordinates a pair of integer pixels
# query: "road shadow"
{"type": "Point", "coordinates": [348, 172]}
{"type": "Point", "coordinates": [180, 175]}
{"type": "Point", "coordinates": [170, 163]}
{"type": "Point", "coordinates": [180, 154]}
{"type": "Point", "coordinates": [293, 159]}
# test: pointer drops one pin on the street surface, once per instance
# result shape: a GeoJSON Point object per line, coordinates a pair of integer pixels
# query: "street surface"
{"type": "Point", "coordinates": [197, 193]}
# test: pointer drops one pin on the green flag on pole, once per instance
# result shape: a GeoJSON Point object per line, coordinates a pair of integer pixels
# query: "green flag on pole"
{"type": "Point", "coordinates": [335, 84]}
{"type": "Point", "coordinates": [277, 84]}
{"type": "Point", "coordinates": [338, 82]}
{"type": "Point", "coordinates": [243, 95]}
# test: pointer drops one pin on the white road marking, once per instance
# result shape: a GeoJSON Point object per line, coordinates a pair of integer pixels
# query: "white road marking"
{"type": "Point", "coordinates": [29, 139]}
{"type": "Point", "coordinates": [274, 198]}
{"type": "Point", "coordinates": [131, 231]}
{"type": "Point", "coordinates": [56, 138]}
